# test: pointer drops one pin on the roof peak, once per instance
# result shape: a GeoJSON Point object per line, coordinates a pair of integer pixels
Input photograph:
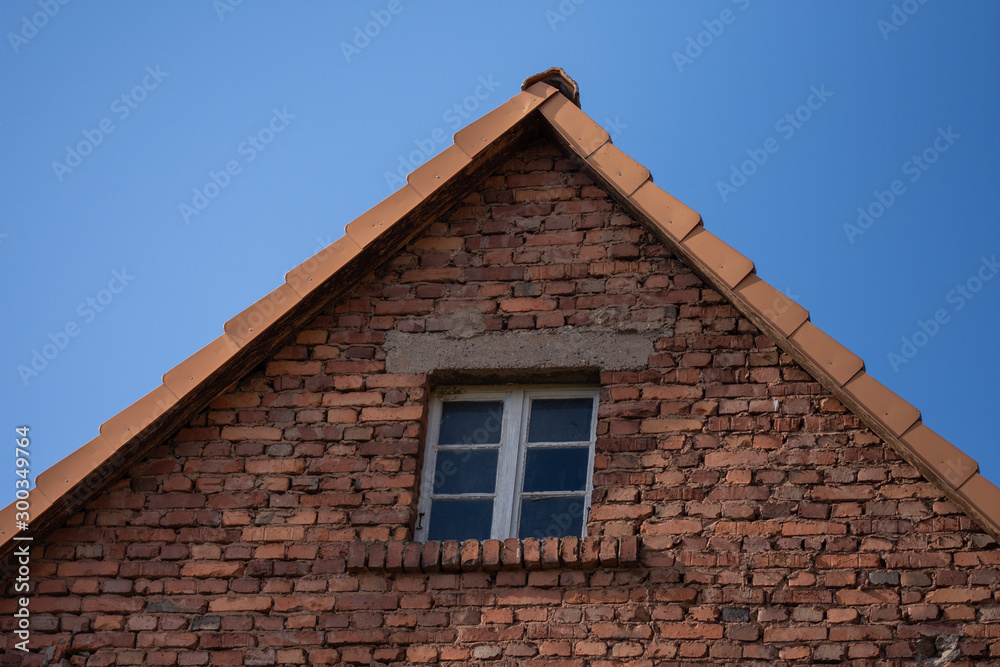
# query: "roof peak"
{"type": "Point", "coordinates": [558, 79]}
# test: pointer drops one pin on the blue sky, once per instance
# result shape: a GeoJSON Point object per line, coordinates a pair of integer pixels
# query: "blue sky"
{"type": "Point", "coordinates": [165, 164]}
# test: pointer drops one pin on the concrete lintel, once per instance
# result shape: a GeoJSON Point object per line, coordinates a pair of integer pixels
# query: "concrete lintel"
{"type": "Point", "coordinates": [518, 351]}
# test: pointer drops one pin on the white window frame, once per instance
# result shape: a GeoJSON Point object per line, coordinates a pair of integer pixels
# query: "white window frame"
{"type": "Point", "coordinates": [512, 451]}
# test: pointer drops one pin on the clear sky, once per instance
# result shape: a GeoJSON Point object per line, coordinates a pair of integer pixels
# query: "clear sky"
{"type": "Point", "coordinates": [164, 164]}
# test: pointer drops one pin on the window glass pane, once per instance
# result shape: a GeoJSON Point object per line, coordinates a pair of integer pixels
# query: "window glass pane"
{"type": "Point", "coordinates": [560, 419]}
{"type": "Point", "coordinates": [556, 469]}
{"type": "Point", "coordinates": [460, 520]}
{"type": "Point", "coordinates": [470, 422]}
{"type": "Point", "coordinates": [465, 471]}
{"type": "Point", "coordinates": [551, 517]}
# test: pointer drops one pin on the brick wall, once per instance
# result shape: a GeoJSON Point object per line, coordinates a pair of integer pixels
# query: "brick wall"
{"type": "Point", "coordinates": [740, 514]}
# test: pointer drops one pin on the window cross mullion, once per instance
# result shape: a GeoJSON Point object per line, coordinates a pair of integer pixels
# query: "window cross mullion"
{"type": "Point", "coordinates": [505, 504]}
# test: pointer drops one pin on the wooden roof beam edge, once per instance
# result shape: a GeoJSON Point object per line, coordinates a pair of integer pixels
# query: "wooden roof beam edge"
{"type": "Point", "coordinates": [838, 369]}
{"type": "Point", "coordinates": [262, 327]}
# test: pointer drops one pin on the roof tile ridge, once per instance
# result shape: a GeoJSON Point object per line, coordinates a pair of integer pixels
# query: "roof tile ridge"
{"type": "Point", "coordinates": [66, 476]}
{"type": "Point", "coordinates": [254, 322]}
{"type": "Point", "coordinates": [841, 371]}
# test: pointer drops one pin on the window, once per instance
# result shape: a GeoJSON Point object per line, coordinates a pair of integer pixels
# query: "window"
{"type": "Point", "coordinates": [505, 462]}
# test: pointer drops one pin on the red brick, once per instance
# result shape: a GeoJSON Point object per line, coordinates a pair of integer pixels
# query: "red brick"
{"type": "Point", "coordinates": [430, 560]}
{"type": "Point", "coordinates": [609, 552]}
{"type": "Point", "coordinates": [422, 654]}
{"type": "Point", "coordinates": [209, 569]}
{"type": "Point", "coordinates": [251, 433]}
{"type": "Point", "coordinates": [512, 553]}
{"type": "Point", "coordinates": [240, 603]}
{"type": "Point", "coordinates": [794, 634]}
{"type": "Point", "coordinates": [670, 425]}
{"type": "Point", "coordinates": [408, 307]}
{"type": "Point", "coordinates": [341, 416]}
{"type": "Point", "coordinates": [569, 551]}
{"type": "Point", "coordinates": [550, 552]}
{"type": "Point", "coordinates": [274, 534]}
{"type": "Point", "coordinates": [532, 550]}
{"type": "Point", "coordinates": [690, 631]}
{"type": "Point", "coordinates": [390, 380]}
{"type": "Point", "coordinates": [751, 459]}
{"type": "Point", "coordinates": [366, 601]}
{"type": "Point", "coordinates": [527, 304]}
{"type": "Point", "coordinates": [628, 551]}
{"type": "Point", "coordinates": [353, 398]}
{"type": "Point", "coordinates": [451, 556]}
{"type": "Point", "coordinates": [394, 557]}
{"type": "Point", "coordinates": [471, 556]}
{"type": "Point", "coordinates": [529, 596]}
{"type": "Point", "coordinates": [376, 555]}
{"type": "Point", "coordinates": [275, 466]}
{"type": "Point", "coordinates": [957, 595]}
{"type": "Point", "coordinates": [546, 195]}
{"type": "Point", "coordinates": [408, 413]}
{"type": "Point", "coordinates": [491, 554]}
{"type": "Point", "coordinates": [412, 553]}
{"type": "Point", "coordinates": [87, 569]}
{"type": "Point", "coordinates": [854, 633]}
{"type": "Point", "coordinates": [294, 368]}
{"type": "Point", "coordinates": [866, 597]}
{"type": "Point", "coordinates": [813, 528]}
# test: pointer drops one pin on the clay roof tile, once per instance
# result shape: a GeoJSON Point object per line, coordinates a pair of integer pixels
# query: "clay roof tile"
{"type": "Point", "coordinates": [70, 471]}
{"type": "Point", "coordinates": [128, 423]}
{"type": "Point", "coordinates": [884, 404]}
{"type": "Point", "coordinates": [674, 218]}
{"type": "Point", "coordinates": [574, 128]}
{"type": "Point", "coordinates": [952, 466]}
{"type": "Point", "coordinates": [777, 308]}
{"type": "Point", "coordinates": [617, 170]}
{"type": "Point", "coordinates": [376, 221]}
{"type": "Point", "coordinates": [477, 136]}
{"type": "Point", "coordinates": [437, 171]}
{"type": "Point", "coordinates": [828, 354]}
{"type": "Point", "coordinates": [194, 370]}
{"type": "Point", "coordinates": [982, 499]}
{"type": "Point", "coordinates": [718, 257]}
{"type": "Point", "coordinates": [313, 272]}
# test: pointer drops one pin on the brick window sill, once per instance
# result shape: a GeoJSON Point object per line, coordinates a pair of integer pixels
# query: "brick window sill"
{"type": "Point", "coordinates": [589, 553]}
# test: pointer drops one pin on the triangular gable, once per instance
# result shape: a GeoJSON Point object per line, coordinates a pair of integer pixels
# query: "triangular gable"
{"type": "Point", "coordinates": [549, 101]}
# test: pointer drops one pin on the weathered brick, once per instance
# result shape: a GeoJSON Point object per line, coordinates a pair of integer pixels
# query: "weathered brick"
{"type": "Point", "coordinates": [430, 560]}
{"type": "Point", "coordinates": [218, 569]}
{"type": "Point", "coordinates": [294, 368]}
{"type": "Point", "coordinates": [512, 554]}
{"type": "Point", "coordinates": [251, 433]}
{"type": "Point", "coordinates": [471, 556]}
{"type": "Point", "coordinates": [491, 554]}
{"type": "Point", "coordinates": [408, 413]}
{"type": "Point", "coordinates": [353, 398]}
{"type": "Point", "coordinates": [240, 604]}
{"type": "Point", "coordinates": [532, 553]}
{"type": "Point", "coordinates": [794, 634]}
{"type": "Point", "coordinates": [957, 595]}
{"type": "Point", "coordinates": [874, 596]}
